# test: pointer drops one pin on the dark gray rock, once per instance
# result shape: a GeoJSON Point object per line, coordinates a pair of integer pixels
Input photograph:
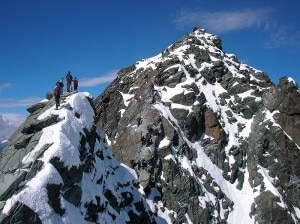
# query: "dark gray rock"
{"type": "Point", "coordinates": [276, 214]}
{"type": "Point", "coordinates": [54, 195]}
{"type": "Point", "coordinates": [36, 107]}
{"type": "Point", "coordinates": [21, 214]}
{"type": "Point", "coordinates": [73, 195]}
{"type": "Point", "coordinates": [184, 99]}
{"type": "Point", "coordinates": [38, 125]}
{"type": "Point", "coordinates": [71, 175]}
{"type": "Point", "coordinates": [49, 95]}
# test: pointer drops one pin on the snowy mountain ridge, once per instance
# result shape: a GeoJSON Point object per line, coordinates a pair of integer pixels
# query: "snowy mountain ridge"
{"type": "Point", "coordinates": [76, 177]}
{"type": "Point", "coordinates": [190, 135]}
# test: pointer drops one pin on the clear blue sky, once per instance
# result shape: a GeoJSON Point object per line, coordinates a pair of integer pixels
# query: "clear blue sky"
{"type": "Point", "coordinates": [41, 40]}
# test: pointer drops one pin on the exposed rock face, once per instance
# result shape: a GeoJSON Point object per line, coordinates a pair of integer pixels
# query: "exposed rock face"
{"type": "Point", "coordinates": [285, 99]}
{"type": "Point", "coordinates": [220, 130]}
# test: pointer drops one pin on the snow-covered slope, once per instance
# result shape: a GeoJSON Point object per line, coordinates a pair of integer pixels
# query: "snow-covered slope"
{"type": "Point", "coordinates": [214, 127]}
{"type": "Point", "coordinates": [70, 175]}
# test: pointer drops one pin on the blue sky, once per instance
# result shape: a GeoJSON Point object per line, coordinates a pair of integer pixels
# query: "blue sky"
{"type": "Point", "coordinates": [40, 41]}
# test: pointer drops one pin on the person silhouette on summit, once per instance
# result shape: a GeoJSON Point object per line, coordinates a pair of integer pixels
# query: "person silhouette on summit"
{"type": "Point", "coordinates": [195, 28]}
{"type": "Point", "coordinates": [75, 83]}
{"type": "Point", "coordinates": [60, 84]}
{"type": "Point", "coordinates": [56, 94]}
{"type": "Point", "coordinates": [69, 81]}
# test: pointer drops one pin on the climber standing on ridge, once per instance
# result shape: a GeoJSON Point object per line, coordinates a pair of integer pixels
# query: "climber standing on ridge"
{"type": "Point", "coordinates": [69, 81]}
{"type": "Point", "coordinates": [75, 83]}
{"type": "Point", "coordinates": [56, 93]}
{"type": "Point", "coordinates": [60, 84]}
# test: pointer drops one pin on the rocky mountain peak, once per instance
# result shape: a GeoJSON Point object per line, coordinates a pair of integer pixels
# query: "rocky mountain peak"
{"type": "Point", "coordinates": [191, 135]}
{"type": "Point", "coordinates": [213, 137]}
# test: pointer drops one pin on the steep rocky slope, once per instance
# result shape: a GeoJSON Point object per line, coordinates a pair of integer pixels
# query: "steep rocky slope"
{"type": "Point", "coordinates": [57, 168]}
{"type": "Point", "coordinates": [223, 141]}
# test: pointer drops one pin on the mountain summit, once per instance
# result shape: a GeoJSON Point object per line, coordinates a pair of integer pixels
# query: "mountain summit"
{"type": "Point", "coordinates": [223, 139]}
{"type": "Point", "coordinates": [191, 135]}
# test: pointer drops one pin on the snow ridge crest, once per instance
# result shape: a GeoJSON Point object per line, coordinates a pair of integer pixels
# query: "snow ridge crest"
{"type": "Point", "coordinates": [67, 173]}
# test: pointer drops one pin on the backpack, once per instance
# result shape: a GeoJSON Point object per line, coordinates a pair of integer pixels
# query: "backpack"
{"type": "Point", "coordinates": [56, 91]}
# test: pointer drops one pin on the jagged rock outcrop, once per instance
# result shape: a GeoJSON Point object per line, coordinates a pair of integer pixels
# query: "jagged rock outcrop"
{"type": "Point", "coordinates": [285, 99]}
{"type": "Point", "coordinates": [57, 168]}
{"type": "Point", "coordinates": [223, 141]}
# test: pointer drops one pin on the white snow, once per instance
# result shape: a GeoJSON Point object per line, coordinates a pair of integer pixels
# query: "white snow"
{"type": "Point", "coordinates": [126, 98]}
{"type": "Point", "coordinates": [122, 112]}
{"type": "Point", "coordinates": [165, 142]}
{"type": "Point", "coordinates": [63, 139]}
{"type": "Point", "coordinates": [269, 186]}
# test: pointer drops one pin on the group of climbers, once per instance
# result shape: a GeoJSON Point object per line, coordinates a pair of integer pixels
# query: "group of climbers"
{"type": "Point", "coordinates": [151, 131]}
{"type": "Point", "coordinates": [146, 140]}
{"type": "Point", "coordinates": [140, 164]}
{"type": "Point", "coordinates": [58, 90]}
{"type": "Point", "coordinates": [70, 79]}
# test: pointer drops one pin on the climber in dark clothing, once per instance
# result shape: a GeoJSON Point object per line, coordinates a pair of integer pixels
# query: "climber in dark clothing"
{"type": "Point", "coordinates": [153, 100]}
{"type": "Point", "coordinates": [159, 65]}
{"type": "Point", "coordinates": [60, 84]}
{"type": "Point", "coordinates": [143, 139]}
{"type": "Point", "coordinates": [56, 94]}
{"type": "Point", "coordinates": [148, 138]}
{"type": "Point", "coordinates": [75, 83]}
{"type": "Point", "coordinates": [158, 80]}
{"type": "Point", "coordinates": [151, 89]}
{"type": "Point", "coordinates": [139, 120]}
{"type": "Point", "coordinates": [195, 28]}
{"type": "Point", "coordinates": [133, 164]}
{"type": "Point", "coordinates": [152, 129]}
{"type": "Point", "coordinates": [69, 81]}
{"type": "Point", "coordinates": [141, 164]}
